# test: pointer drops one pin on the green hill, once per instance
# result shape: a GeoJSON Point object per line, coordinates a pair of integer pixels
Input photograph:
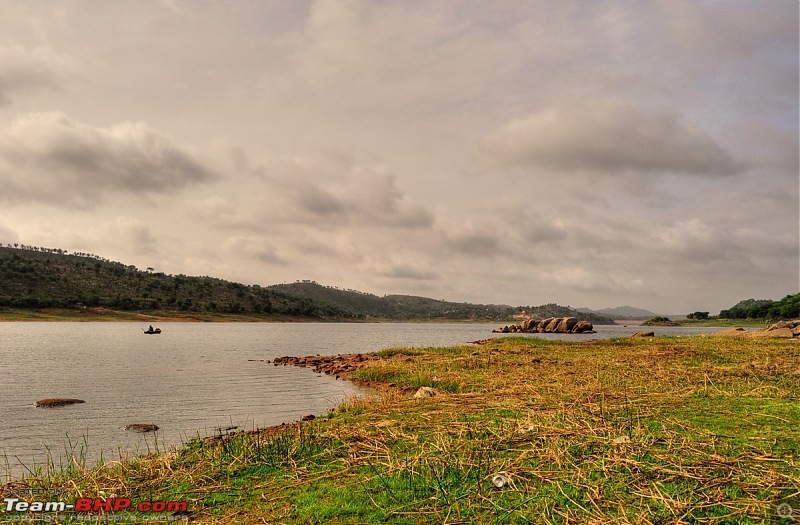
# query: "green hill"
{"type": "Point", "coordinates": [396, 307]}
{"type": "Point", "coordinates": [786, 308]}
{"type": "Point", "coordinates": [41, 278]}
{"type": "Point", "coordinates": [47, 278]}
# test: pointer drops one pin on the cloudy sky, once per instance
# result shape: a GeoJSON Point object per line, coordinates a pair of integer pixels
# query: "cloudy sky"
{"type": "Point", "coordinates": [588, 153]}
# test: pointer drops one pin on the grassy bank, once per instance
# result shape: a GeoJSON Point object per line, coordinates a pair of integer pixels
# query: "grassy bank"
{"type": "Point", "coordinates": [634, 430]}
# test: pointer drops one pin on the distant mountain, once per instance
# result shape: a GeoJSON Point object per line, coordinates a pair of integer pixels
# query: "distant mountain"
{"type": "Point", "coordinates": [628, 311]}
{"type": "Point", "coordinates": [33, 277]}
{"type": "Point", "coordinates": [622, 312]}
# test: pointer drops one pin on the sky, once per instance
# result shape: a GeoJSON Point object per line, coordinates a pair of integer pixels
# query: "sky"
{"type": "Point", "coordinates": [587, 153]}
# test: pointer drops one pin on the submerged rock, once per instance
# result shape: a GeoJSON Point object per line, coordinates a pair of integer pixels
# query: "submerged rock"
{"type": "Point", "coordinates": [141, 427]}
{"type": "Point", "coordinates": [330, 365]}
{"type": "Point", "coordinates": [58, 402]}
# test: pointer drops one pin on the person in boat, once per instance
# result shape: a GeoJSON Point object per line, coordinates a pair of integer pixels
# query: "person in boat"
{"type": "Point", "coordinates": [150, 329]}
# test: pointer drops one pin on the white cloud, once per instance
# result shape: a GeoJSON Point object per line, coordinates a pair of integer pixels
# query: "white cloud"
{"type": "Point", "coordinates": [607, 136]}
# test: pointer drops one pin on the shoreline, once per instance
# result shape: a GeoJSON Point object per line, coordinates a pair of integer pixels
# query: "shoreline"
{"type": "Point", "coordinates": [101, 314]}
{"type": "Point", "coordinates": [340, 366]}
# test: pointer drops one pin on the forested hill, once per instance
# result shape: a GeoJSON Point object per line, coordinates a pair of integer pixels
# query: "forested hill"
{"type": "Point", "coordinates": [409, 307]}
{"type": "Point", "coordinates": [786, 308]}
{"type": "Point", "coordinates": [33, 277]}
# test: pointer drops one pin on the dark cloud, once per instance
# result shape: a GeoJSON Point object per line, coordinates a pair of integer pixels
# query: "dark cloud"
{"type": "Point", "coordinates": [409, 272]}
{"type": "Point", "coordinates": [137, 234]}
{"type": "Point", "coordinates": [23, 71]}
{"type": "Point", "coordinates": [319, 202]}
{"type": "Point", "coordinates": [252, 247]}
{"type": "Point", "coordinates": [473, 243]}
{"type": "Point", "coordinates": [329, 190]}
{"type": "Point", "coordinates": [610, 137]}
{"type": "Point", "coordinates": [49, 157]}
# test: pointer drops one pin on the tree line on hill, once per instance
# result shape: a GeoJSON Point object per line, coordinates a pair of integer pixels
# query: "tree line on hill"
{"type": "Point", "coordinates": [35, 277]}
{"type": "Point", "coordinates": [786, 308]}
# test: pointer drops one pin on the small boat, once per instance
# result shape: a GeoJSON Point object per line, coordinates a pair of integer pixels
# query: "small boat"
{"type": "Point", "coordinates": [152, 330]}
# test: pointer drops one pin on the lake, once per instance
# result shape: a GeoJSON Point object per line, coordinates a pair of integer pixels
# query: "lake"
{"type": "Point", "coordinates": [190, 380]}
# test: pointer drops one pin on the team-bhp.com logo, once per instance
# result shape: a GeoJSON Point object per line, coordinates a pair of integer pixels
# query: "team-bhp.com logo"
{"type": "Point", "coordinates": [95, 505]}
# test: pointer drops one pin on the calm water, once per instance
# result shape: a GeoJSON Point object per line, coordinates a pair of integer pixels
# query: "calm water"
{"type": "Point", "coordinates": [189, 380]}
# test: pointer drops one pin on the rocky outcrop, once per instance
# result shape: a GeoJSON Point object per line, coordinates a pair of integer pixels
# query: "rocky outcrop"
{"type": "Point", "coordinates": [58, 402]}
{"type": "Point", "coordinates": [787, 329]}
{"type": "Point", "coordinates": [784, 329]}
{"type": "Point", "coordinates": [551, 325]}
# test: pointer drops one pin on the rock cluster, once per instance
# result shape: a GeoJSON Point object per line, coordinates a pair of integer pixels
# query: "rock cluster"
{"type": "Point", "coordinates": [331, 365]}
{"type": "Point", "coordinates": [785, 329]}
{"type": "Point", "coordinates": [551, 325]}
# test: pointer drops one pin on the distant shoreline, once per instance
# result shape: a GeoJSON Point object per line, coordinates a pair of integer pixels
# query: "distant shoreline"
{"type": "Point", "coordinates": [101, 314]}
{"type": "Point", "coordinates": [104, 314]}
